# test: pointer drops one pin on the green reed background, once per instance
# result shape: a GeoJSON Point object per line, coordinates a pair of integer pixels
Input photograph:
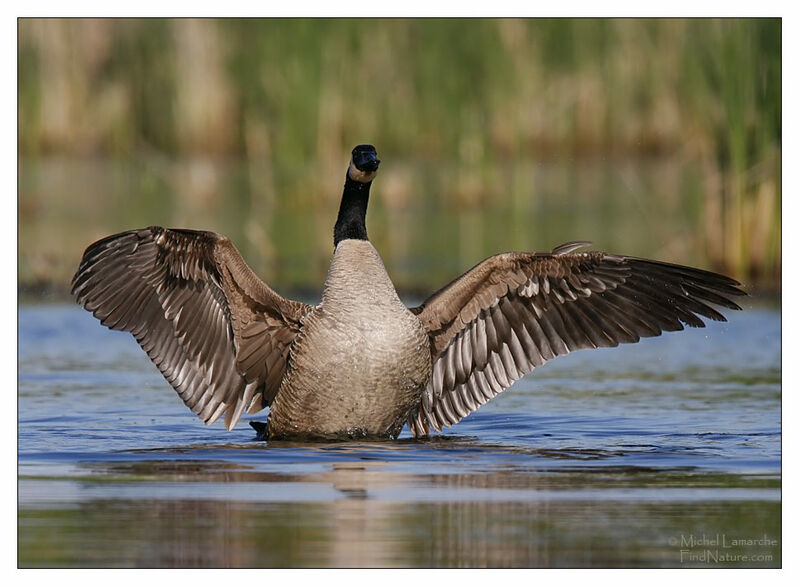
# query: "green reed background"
{"type": "Point", "coordinates": [649, 137]}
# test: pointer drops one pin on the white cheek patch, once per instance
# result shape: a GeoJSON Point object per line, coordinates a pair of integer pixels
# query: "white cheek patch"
{"type": "Point", "coordinates": [356, 174]}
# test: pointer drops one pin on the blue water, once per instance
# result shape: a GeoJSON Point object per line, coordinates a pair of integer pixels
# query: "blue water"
{"type": "Point", "coordinates": [600, 458]}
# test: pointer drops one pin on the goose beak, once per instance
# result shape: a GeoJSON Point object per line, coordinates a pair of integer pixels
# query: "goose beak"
{"type": "Point", "coordinates": [366, 161]}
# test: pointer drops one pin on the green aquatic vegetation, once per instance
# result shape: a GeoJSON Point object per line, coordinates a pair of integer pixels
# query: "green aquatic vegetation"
{"type": "Point", "coordinates": [180, 116]}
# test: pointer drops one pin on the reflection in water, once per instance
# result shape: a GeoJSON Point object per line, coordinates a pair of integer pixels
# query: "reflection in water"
{"type": "Point", "coordinates": [364, 533]}
{"type": "Point", "coordinates": [382, 516]}
{"type": "Point", "coordinates": [359, 526]}
{"type": "Point", "coordinates": [424, 240]}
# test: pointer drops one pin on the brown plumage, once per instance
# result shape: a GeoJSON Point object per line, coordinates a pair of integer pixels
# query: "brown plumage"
{"type": "Point", "coordinates": [217, 333]}
{"type": "Point", "coordinates": [513, 312]}
{"type": "Point", "coordinates": [361, 363]}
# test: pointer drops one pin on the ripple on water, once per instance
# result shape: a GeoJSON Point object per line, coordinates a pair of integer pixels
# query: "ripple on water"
{"type": "Point", "coordinates": [628, 447]}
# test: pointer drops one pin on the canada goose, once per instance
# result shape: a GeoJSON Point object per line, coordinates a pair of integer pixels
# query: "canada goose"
{"type": "Point", "coordinates": [361, 364]}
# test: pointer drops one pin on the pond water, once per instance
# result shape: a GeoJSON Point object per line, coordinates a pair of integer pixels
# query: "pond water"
{"type": "Point", "coordinates": [665, 453]}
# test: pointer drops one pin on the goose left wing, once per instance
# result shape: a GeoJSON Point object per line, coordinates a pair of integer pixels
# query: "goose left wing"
{"type": "Point", "coordinates": [218, 334]}
{"type": "Point", "coordinates": [514, 311]}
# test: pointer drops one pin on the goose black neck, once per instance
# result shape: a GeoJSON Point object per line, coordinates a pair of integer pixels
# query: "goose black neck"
{"type": "Point", "coordinates": [351, 222]}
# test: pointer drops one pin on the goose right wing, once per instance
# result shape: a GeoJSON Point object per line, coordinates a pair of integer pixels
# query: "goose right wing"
{"type": "Point", "coordinates": [515, 311]}
{"type": "Point", "coordinates": [218, 334]}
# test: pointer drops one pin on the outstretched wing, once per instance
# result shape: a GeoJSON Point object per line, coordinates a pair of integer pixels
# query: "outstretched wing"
{"type": "Point", "coordinates": [513, 312]}
{"type": "Point", "coordinates": [218, 334]}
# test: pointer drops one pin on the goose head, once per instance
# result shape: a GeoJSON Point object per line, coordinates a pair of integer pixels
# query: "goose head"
{"type": "Point", "coordinates": [363, 164]}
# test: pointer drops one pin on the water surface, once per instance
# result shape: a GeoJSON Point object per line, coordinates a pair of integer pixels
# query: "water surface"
{"type": "Point", "coordinates": [663, 453]}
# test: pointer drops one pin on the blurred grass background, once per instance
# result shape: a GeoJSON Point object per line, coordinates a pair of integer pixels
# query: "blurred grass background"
{"type": "Point", "coordinates": [657, 138]}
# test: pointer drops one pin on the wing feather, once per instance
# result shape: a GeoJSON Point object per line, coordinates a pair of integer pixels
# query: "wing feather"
{"type": "Point", "coordinates": [515, 311]}
{"type": "Point", "coordinates": [218, 334]}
